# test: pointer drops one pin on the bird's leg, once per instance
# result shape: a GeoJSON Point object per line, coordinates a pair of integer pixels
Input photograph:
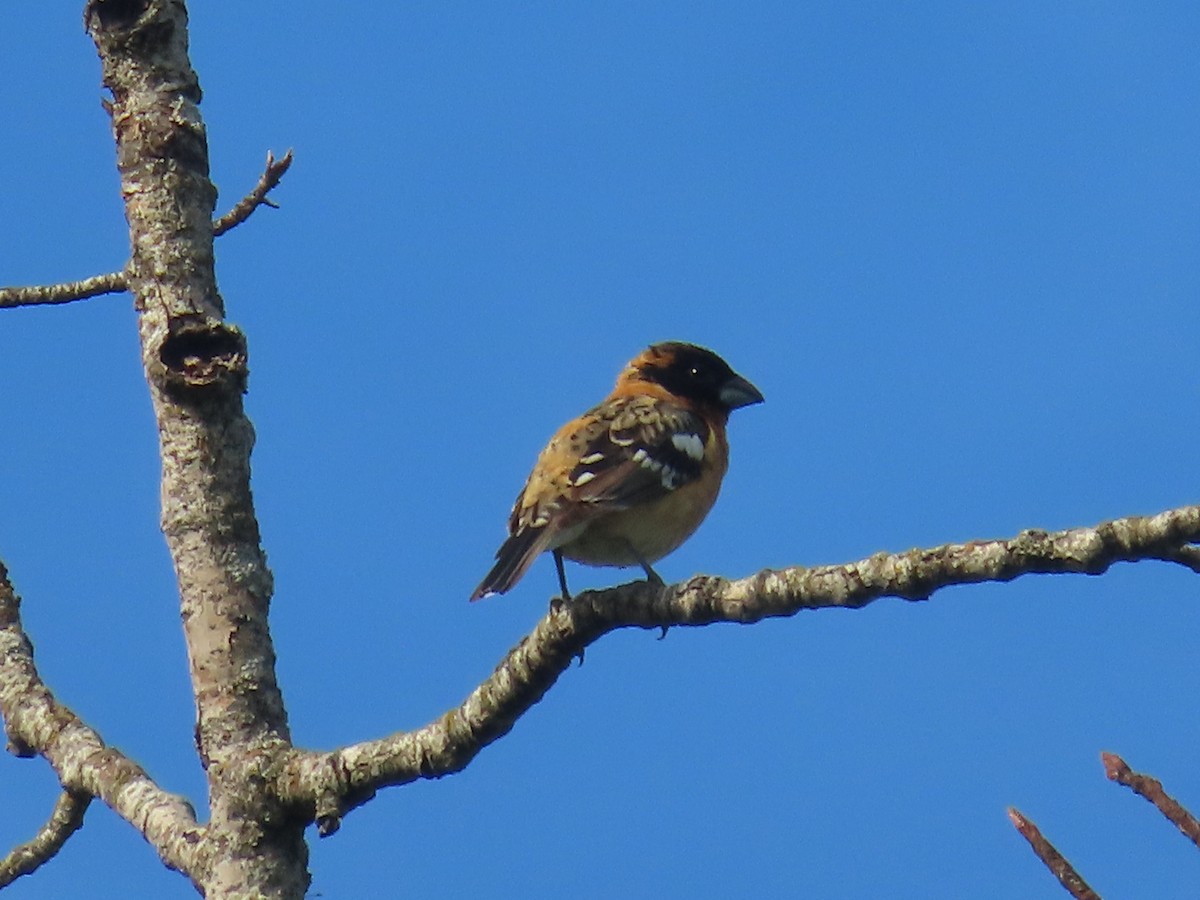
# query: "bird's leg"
{"type": "Point", "coordinates": [651, 575]}
{"type": "Point", "coordinates": [562, 575]}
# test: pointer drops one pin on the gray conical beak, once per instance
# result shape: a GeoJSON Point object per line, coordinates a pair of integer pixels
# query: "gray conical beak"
{"type": "Point", "coordinates": [738, 392]}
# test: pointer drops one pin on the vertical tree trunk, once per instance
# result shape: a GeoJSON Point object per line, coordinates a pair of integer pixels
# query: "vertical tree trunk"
{"type": "Point", "coordinates": [195, 366]}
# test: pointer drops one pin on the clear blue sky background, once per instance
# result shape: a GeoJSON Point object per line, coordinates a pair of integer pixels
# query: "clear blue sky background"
{"type": "Point", "coordinates": [954, 244]}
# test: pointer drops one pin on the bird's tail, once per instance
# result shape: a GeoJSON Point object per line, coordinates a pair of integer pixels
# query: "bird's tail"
{"type": "Point", "coordinates": [513, 560]}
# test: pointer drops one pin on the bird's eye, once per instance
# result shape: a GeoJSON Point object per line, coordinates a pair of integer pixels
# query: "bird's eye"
{"type": "Point", "coordinates": [694, 371]}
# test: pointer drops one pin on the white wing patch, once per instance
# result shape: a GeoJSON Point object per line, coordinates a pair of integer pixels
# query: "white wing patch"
{"type": "Point", "coordinates": [670, 477]}
{"type": "Point", "coordinates": [689, 444]}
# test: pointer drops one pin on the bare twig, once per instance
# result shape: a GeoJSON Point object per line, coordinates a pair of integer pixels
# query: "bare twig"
{"type": "Point", "coordinates": [64, 821]}
{"type": "Point", "coordinates": [117, 282]}
{"type": "Point", "coordinates": [1151, 788]}
{"type": "Point", "coordinates": [257, 197]}
{"type": "Point", "coordinates": [38, 724]}
{"type": "Point", "coordinates": [325, 785]}
{"type": "Point", "coordinates": [1055, 861]}
{"type": "Point", "coordinates": [68, 291]}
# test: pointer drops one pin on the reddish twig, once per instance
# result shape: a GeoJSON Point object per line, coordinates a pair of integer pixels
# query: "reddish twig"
{"type": "Point", "coordinates": [1151, 788]}
{"type": "Point", "coordinates": [257, 197]}
{"type": "Point", "coordinates": [1055, 861]}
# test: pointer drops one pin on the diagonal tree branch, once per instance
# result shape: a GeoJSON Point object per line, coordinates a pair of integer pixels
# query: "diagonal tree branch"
{"type": "Point", "coordinates": [1151, 788]}
{"type": "Point", "coordinates": [1055, 861]}
{"type": "Point", "coordinates": [64, 821]}
{"type": "Point", "coordinates": [258, 195]}
{"type": "Point", "coordinates": [325, 785]}
{"type": "Point", "coordinates": [37, 724]}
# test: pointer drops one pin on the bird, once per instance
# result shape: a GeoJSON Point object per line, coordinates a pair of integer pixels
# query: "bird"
{"type": "Point", "coordinates": [631, 479]}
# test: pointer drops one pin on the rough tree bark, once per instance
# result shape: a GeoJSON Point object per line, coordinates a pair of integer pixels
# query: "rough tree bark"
{"type": "Point", "coordinates": [263, 791]}
{"type": "Point", "coordinates": [195, 367]}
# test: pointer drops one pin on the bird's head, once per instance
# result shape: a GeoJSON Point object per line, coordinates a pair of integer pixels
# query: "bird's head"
{"type": "Point", "coordinates": [694, 373]}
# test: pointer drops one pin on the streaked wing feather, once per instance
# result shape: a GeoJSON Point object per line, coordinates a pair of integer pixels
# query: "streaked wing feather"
{"type": "Point", "coordinates": [648, 449]}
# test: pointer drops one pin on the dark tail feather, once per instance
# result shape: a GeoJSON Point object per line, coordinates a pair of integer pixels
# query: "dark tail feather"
{"type": "Point", "coordinates": [513, 560]}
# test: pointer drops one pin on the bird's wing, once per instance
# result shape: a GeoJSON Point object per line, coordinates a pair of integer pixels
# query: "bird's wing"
{"type": "Point", "coordinates": [649, 448]}
{"type": "Point", "coordinates": [628, 451]}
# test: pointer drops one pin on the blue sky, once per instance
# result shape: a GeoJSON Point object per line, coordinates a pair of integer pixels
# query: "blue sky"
{"type": "Point", "coordinates": [954, 244]}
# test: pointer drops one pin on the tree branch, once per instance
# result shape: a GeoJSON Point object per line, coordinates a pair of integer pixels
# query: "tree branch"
{"type": "Point", "coordinates": [37, 724]}
{"type": "Point", "coordinates": [1151, 788]}
{"type": "Point", "coordinates": [65, 820]}
{"type": "Point", "coordinates": [118, 282]}
{"type": "Point", "coordinates": [257, 197]}
{"type": "Point", "coordinates": [1055, 861]}
{"type": "Point", "coordinates": [1188, 556]}
{"type": "Point", "coordinates": [68, 291]}
{"type": "Point", "coordinates": [325, 785]}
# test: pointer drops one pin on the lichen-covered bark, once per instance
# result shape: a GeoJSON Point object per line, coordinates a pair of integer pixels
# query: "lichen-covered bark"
{"type": "Point", "coordinates": [326, 785]}
{"type": "Point", "coordinates": [65, 820]}
{"type": "Point", "coordinates": [195, 366]}
{"type": "Point", "coordinates": [37, 724]}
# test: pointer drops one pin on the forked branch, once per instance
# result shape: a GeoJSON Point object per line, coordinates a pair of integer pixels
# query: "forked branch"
{"type": "Point", "coordinates": [258, 195]}
{"type": "Point", "coordinates": [37, 724]}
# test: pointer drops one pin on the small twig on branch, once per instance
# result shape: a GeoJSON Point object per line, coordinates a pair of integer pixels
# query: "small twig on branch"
{"type": "Point", "coordinates": [117, 282]}
{"type": "Point", "coordinates": [64, 821]}
{"type": "Point", "coordinates": [257, 197]}
{"type": "Point", "coordinates": [1188, 555]}
{"type": "Point", "coordinates": [68, 291]}
{"type": "Point", "coordinates": [1151, 788]}
{"type": "Point", "coordinates": [1055, 861]}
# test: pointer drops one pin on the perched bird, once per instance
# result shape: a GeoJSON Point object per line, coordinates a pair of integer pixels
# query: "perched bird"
{"type": "Point", "coordinates": [631, 479]}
